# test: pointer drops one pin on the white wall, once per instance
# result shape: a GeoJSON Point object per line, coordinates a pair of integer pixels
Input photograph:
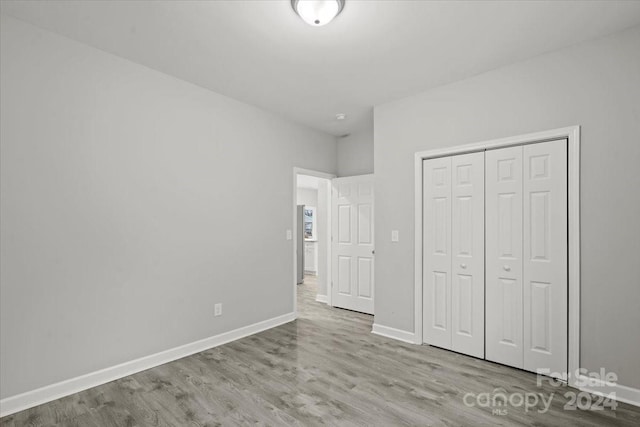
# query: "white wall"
{"type": "Point", "coordinates": [324, 192]}
{"type": "Point", "coordinates": [355, 153]}
{"type": "Point", "coordinates": [130, 206]}
{"type": "Point", "coordinates": [595, 85]}
{"type": "Point", "coordinates": [308, 197]}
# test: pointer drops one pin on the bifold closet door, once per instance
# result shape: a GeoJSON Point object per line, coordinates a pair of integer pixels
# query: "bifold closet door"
{"type": "Point", "coordinates": [454, 253]}
{"type": "Point", "coordinates": [436, 276]}
{"type": "Point", "coordinates": [467, 254]}
{"type": "Point", "coordinates": [504, 292]}
{"type": "Point", "coordinates": [545, 256]}
{"type": "Point", "coordinates": [526, 256]}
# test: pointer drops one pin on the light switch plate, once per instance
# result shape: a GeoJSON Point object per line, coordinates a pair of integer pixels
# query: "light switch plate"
{"type": "Point", "coordinates": [395, 236]}
{"type": "Point", "coordinates": [289, 235]}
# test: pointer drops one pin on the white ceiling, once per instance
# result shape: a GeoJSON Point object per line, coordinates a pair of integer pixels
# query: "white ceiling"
{"type": "Point", "coordinates": [262, 53]}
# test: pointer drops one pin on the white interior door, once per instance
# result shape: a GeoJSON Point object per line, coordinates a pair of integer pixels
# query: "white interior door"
{"type": "Point", "coordinates": [504, 264]}
{"type": "Point", "coordinates": [352, 243]}
{"type": "Point", "coordinates": [467, 254]}
{"type": "Point", "coordinates": [545, 256]}
{"type": "Point", "coordinates": [436, 276]}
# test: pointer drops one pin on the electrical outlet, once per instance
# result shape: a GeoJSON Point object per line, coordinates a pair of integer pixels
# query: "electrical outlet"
{"type": "Point", "coordinates": [217, 309]}
{"type": "Point", "coordinates": [395, 236]}
{"type": "Point", "coordinates": [289, 235]}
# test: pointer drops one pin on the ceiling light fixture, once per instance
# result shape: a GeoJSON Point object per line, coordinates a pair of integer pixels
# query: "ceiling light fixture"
{"type": "Point", "coordinates": [341, 116]}
{"type": "Point", "coordinates": [317, 12]}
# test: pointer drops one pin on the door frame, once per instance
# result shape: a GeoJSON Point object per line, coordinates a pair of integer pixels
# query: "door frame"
{"type": "Point", "coordinates": [572, 134]}
{"type": "Point", "coordinates": [301, 171]}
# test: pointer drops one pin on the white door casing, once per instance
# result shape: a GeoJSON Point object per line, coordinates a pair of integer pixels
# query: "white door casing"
{"type": "Point", "coordinates": [437, 252]}
{"type": "Point", "coordinates": [545, 256]}
{"type": "Point", "coordinates": [353, 243]}
{"type": "Point", "coordinates": [467, 254]}
{"type": "Point", "coordinates": [504, 292]}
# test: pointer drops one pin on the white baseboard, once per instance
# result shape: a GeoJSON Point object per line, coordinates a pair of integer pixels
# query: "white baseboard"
{"type": "Point", "coordinates": [394, 333]}
{"type": "Point", "coordinates": [322, 298]}
{"type": "Point", "coordinates": [618, 392]}
{"type": "Point", "coordinates": [29, 399]}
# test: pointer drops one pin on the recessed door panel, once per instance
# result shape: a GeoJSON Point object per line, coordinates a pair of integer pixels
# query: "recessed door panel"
{"type": "Point", "coordinates": [510, 325]}
{"type": "Point", "coordinates": [465, 211]}
{"type": "Point", "coordinates": [440, 225]}
{"type": "Point", "coordinates": [344, 224]}
{"type": "Point", "coordinates": [344, 275]}
{"type": "Point", "coordinates": [539, 225]}
{"type": "Point", "coordinates": [439, 305]}
{"type": "Point", "coordinates": [365, 277]}
{"type": "Point", "coordinates": [506, 238]}
{"type": "Point", "coordinates": [539, 324]}
{"type": "Point", "coordinates": [365, 225]}
{"type": "Point", "coordinates": [463, 304]}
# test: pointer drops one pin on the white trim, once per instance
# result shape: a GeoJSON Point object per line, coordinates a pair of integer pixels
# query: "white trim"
{"type": "Point", "coordinates": [618, 392]}
{"type": "Point", "coordinates": [301, 171]}
{"type": "Point", "coordinates": [572, 134]}
{"type": "Point", "coordinates": [417, 306]}
{"type": "Point", "coordinates": [573, 181]}
{"type": "Point", "coordinates": [393, 333]}
{"type": "Point", "coordinates": [322, 298]}
{"type": "Point", "coordinates": [29, 399]}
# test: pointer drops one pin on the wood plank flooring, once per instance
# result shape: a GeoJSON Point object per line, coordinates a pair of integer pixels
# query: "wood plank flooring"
{"type": "Point", "coordinates": [326, 368]}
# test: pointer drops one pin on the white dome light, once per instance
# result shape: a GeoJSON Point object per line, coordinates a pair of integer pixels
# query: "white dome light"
{"type": "Point", "coordinates": [317, 12]}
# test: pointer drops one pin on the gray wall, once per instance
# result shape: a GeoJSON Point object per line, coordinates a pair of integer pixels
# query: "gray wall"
{"type": "Point", "coordinates": [324, 190]}
{"type": "Point", "coordinates": [130, 206]}
{"type": "Point", "coordinates": [595, 85]}
{"type": "Point", "coordinates": [307, 197]}
{"type": "Point", "coordinates": [355, 153]}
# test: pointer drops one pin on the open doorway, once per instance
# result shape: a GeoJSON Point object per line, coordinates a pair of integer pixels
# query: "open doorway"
{"type": "Point", "coordinates": [312, 232]}
{"type": "Point", "coordinates": [338, 271]}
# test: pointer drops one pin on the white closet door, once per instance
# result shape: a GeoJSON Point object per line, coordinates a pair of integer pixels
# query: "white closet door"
{"type": "Point", "coordinates": [504, 262]}
{"type": "Point", "coordinates": [467, 254]}
{"type": "Point", "coordinates": [545, 256]}
{"type": "Point", "coordinates": [526, 256]}
{"type": "Point", "coordinates": [436, 277]}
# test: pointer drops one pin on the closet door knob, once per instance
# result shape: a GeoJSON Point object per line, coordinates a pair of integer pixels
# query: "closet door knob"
{"type": "Point", "coordinates": [507, 268]}
{"type": "Point", "coordinates": [463, 265]}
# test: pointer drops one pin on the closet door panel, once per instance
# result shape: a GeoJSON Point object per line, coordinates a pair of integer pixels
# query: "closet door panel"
{"type": "Point", "coordinates": [545, 256]}
{"type": "Point", "coordinates": [504, 262]}
{"type": "Point", "coordinates": [467, 253]}
{"type": "Point", "coordinates": [437, 252]}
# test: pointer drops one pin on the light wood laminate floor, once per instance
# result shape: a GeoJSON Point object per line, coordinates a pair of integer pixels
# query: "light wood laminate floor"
{"type": "Point", "coordinates": [324, 368]}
